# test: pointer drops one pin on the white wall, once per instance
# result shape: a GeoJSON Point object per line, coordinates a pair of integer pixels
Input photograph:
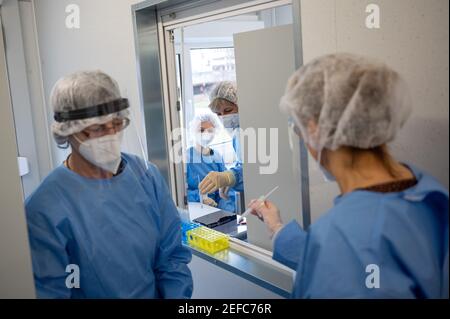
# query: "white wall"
{"type": "Point", "coordinates": [413, 39]}
{"type": "Point", "coordinates": [211, 281]}
{"type": "Point", "coordinates": [104, 41]}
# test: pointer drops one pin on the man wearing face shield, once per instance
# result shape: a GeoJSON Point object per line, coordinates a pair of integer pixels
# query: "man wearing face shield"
{"type": "Point", "coordinates": [224, 104]}
{"type": "Point", "coordinates": [387, 234]}
{"type": "Point", "coordinates": [106, 212]}
{"type": "Point", "coordinates": [202, 159]}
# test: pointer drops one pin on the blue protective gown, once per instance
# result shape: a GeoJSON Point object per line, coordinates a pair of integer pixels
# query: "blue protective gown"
{"type": "Point", "coordinates": [405, 234]}
{"type": "Point", "coordinates": [237, 169]}
{"type": "Point", "coordinates": [123, 233]}
{"type": "Point", "coordinates": [197, 167]}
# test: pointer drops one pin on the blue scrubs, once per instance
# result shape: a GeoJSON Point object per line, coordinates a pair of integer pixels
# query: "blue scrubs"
{"type": "Point", "coordinates": [405, 234]}
{"type": "Point", "coordinates": [197, 167]}
{"type": "Point", "coordinates": [237, 169]}
{"type": "Point", "coordinates": [123, 234]}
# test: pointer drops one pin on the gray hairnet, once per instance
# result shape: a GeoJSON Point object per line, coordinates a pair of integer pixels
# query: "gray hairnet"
{"type": "Point", "coordinates": [78, 91]}
{"type": "Point", "coordinates": [353, 100]}
{"type": "Point", "coordinates": [224, 90]}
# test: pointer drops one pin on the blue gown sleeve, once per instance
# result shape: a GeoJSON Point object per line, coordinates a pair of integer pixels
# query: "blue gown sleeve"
{"type": "Point", "coordinates": [335, 265]}
{"type": "Point", "coordinates": [350, 257]}
{"type": "Point", "coordinates": [238, 175]}
{"type": "Point", "coordinates": [49, 255]}
{"type": "Point", "coordinates": [173, 277]}
{"type": "Point", "coordinates": [193, 195]}
{"type": "Point", "coordinates": [224, 204]}
{"type": "Point", "coordinates": [192, 192]}
{"type": "Point", "coordinates": [289, 244]}
{"type": "Point", "coordinates": [237, 169]}
{"type": "Point", "coordinates": [220, 163]}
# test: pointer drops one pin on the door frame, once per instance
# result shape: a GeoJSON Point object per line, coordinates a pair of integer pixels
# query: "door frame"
{"type": "Point", "coordinates": [173, 16]}
{"type": "Point", "coordinates": [16, 280]}
{"type": "Point", "coordinates": [34, 141]}
{"type": "Point", "coordinates": [203, 17]}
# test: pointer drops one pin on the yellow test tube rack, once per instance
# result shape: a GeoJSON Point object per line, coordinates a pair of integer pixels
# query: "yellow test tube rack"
{"type": "Point", "coordinates": [207, 239]}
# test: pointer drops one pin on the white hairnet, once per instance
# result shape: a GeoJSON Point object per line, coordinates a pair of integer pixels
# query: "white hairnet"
{"type": "Point", "coordinates": [196, 123]}
{"type": "Point", "coordinates": [224, 90]}
{"type": "Point", "coordinates": [78, 91]}
{"type": "Point", "coordinates": [353, 100]}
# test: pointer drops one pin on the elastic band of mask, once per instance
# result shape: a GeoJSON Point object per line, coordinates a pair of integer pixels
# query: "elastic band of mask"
{"type": "Point", "coordinates": [93, 111]}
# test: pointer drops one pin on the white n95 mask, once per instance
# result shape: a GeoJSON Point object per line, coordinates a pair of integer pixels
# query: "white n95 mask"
{"type": "Point", "coordinates": [206, 139]}
{"type": "Point", "coordinates": [103, 152]}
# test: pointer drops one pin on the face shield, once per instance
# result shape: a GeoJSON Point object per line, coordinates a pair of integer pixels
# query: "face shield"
{"type": "Point", "coordinates": [103, 149]}
{"type": "Point", "coordinates": [294, 145]}
{"type": "Point", "coordinates": [204, 128]}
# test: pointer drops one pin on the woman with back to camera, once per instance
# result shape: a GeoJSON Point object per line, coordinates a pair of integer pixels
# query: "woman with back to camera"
{"type": "Point", "coordinates": [387, 234]}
